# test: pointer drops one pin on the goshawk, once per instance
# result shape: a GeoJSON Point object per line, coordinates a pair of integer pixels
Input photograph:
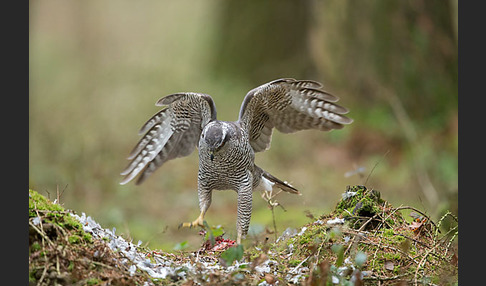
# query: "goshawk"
{"type": "Point", "coordinates": [227, 149]}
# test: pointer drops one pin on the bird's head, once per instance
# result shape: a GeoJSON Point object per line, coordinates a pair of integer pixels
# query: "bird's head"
{"type": "Point", "coordinates": [215, 135]}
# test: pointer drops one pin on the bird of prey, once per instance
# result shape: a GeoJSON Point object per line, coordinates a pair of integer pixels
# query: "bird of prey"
{"type": "Point", "coordinates": [227, 149]}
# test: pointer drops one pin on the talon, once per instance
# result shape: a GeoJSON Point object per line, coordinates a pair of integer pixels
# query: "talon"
{"type": "Point", "coordinates": [198, 222]}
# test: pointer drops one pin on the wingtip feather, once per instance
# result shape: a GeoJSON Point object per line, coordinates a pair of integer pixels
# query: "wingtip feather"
{"type": "Point", "coordinates": [125, 180]}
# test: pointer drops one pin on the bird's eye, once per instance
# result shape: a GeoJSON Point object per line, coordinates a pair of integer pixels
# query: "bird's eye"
{"type": "Point", "coordinates": [220, 145]}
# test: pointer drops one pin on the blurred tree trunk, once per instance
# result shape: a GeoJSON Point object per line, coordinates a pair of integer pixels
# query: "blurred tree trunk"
{"type": "Point", "coordinates": [408, 46]}
{"type": "Point", "coordinates": [263, 40]}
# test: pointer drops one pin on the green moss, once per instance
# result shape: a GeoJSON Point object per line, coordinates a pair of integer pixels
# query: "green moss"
{"type": "Point", "coordinates": [390, 222]}
{"type": "Point", "coordinates": [35, 247]}
{"type": "Point", "coordinates": [72, 223]}
{"type": "Point", "coordinates": [93, 281]}
{"type": "Point", "coordinates": [294, 262]}
{"type": "Point", "coordinates": [70, 266]}
{"type": "Point", "coordinates": [315, 234]}
{"type": "Point", "coordinates": [87, 237]}
{"type": "Point", "coordinates": [74, 239]}
{"type": "Point", "coordinates": [359, 204]}
{"type": "Point", "coordinates": [57, 215]}
{"type": "Point", "coordinates": [41, 203]}
{"type": "Point", "coordinates": [32, 277]}
{"type": "Point", "coordinates": [389, 232]}
{"type": "Point", "coordinates": [392, 255]}
{"type": "Point", "coordinates": [356, 194]}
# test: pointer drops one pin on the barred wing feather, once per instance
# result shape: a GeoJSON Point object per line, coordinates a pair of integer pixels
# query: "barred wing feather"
{"type": "Point", "coordinates": [171, 133]}
{"type": "Point", "coordinates": [289, 105]}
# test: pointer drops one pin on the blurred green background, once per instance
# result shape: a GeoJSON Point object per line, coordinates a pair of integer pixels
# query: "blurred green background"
{"type": "Point", "coordinates": [98, 67]}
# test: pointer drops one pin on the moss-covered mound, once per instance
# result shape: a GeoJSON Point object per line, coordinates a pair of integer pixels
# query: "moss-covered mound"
{"type": "Point", "coordinates": [367, 240]}
{"type": "Point", "coordinates": [362, 208]}
{"type": "Point", "coordinates": [61, 253]}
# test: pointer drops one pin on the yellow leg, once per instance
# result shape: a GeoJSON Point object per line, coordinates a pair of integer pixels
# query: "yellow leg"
{"type": "Point", "coordinates": [197, 222]}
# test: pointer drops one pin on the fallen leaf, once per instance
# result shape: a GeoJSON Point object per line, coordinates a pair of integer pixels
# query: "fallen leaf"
{"type": "Point", "coordinates": [389, 265]}
{"type": "Point", "coordinates": [415, 226]}
{"type": "Point", "coordinates": [259, 260]}
{"type": "Point", "coordinates": [269, 278]}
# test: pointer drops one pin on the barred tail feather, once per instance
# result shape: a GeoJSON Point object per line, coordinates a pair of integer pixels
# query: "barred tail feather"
{"type": "Point", "coordinates": [284, 186]}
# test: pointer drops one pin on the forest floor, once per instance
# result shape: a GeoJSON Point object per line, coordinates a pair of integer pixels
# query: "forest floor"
{"type": "Point", "coordinates": [364, 241]}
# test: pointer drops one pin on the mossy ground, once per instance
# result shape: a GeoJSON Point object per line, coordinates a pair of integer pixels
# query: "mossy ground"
{"type": "Point", "coordinates": [376, 245]}
{"type": "Point", "coordinates": [395, 250]}
{"type": "Point", "coordinates": [61, 253]}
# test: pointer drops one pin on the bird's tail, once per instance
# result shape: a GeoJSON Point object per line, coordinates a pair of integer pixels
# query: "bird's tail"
{"type": "Point", "coordinates": [275, 182]}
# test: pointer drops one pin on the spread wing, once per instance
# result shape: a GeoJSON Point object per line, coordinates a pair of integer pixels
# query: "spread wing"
{"type": "Point", "coordinates": [171, 133]}
{"type": "Point", "coordinates": [289, 105]}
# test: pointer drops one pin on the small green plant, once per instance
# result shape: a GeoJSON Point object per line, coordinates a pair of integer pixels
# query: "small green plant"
{"type": "Point", "coordinates": [181, 245]}
{"type": "Point", "coordinates": [232, 254]}
{"type": "Point", "coordinates": [212, 232]}
{"type": "Point", "coordinates": [338, 249]}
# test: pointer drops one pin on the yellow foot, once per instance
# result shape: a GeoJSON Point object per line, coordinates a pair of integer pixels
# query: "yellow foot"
{"type": "Point", "coordinates": [198, 222]}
